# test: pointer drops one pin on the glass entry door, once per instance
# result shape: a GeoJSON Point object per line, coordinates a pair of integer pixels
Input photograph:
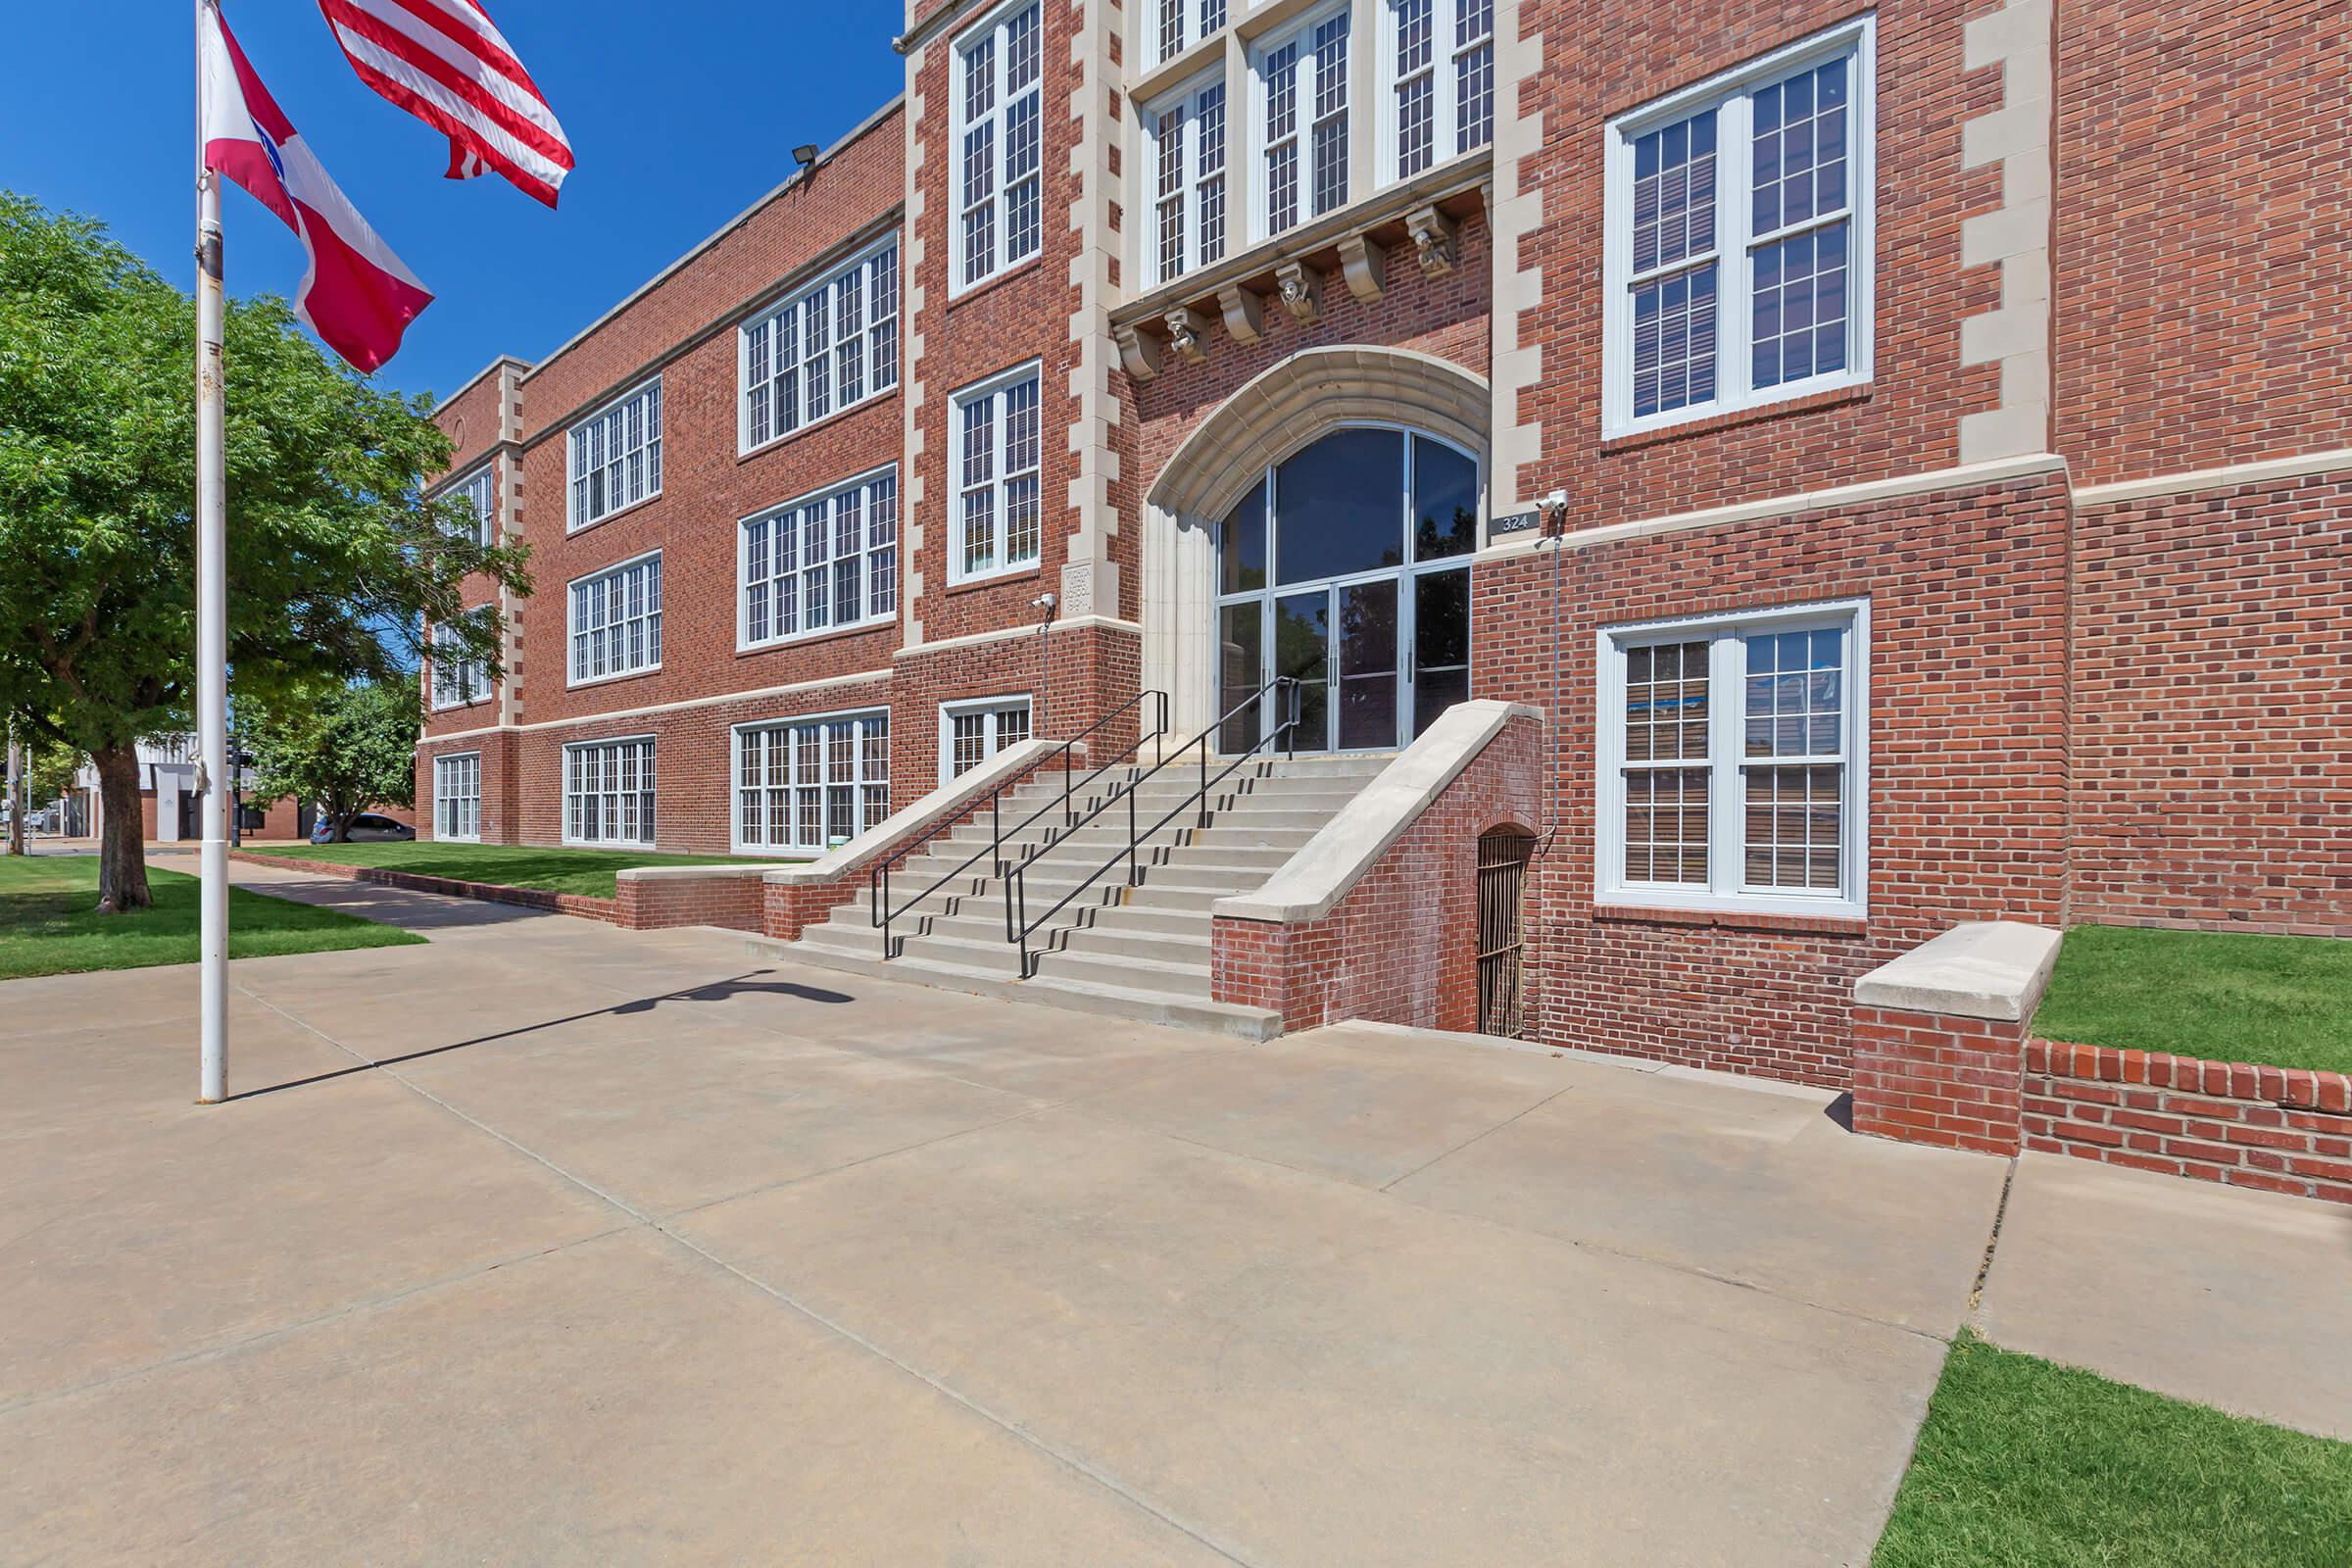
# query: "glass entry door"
{"type": "Point", "coordinates": [1347, 570]}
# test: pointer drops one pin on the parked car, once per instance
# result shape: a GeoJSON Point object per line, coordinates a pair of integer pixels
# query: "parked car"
{"type": "Point", "coordinates": [366, 828]}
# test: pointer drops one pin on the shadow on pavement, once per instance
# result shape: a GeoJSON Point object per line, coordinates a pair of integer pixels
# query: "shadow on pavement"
{"type": "Point", "coordinates": [717, 991]}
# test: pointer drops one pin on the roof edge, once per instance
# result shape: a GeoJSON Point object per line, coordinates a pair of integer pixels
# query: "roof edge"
{"type": "Point", "coordinates": [730, 226]}
{"type": "Point", "coordinates": [472, 380]}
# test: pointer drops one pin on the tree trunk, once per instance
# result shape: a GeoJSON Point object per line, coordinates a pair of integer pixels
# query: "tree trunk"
{"type": "Point", "coordinates": [123, 836]}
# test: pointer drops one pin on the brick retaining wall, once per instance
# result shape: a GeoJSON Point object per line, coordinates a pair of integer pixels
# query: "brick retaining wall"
{"type": "Point", "coordinates": [1402, 945]}
{"type": "Point", "coordinates": [1934, 1078]}
{"type": "Point", "coordinates": [604, 909]}
{"type": "Point", "coordinates": [2277, 1129]}
{"type": "Point", "coordinates": [726, 897]}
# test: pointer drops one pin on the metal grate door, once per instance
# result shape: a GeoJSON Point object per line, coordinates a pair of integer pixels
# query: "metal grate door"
{"type": "Point", "coordinates": [1501, 878]}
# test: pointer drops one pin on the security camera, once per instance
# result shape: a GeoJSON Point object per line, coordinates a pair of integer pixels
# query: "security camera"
{"type": "Point", "coordinates": [1044, 602]}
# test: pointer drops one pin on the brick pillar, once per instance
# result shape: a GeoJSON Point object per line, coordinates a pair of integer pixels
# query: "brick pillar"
{"type": "Point", "coordinates": [1939, 1078]}
{"type": "Point", "coordinates": [1939, 1037]}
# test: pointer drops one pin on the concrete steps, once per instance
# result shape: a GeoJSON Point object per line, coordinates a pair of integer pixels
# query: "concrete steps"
{"type": "Point", "coordinates": [1125, 950]}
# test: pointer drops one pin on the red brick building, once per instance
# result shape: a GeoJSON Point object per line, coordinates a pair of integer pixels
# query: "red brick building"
{"type": "Point", "coordinates": [1905, 454]}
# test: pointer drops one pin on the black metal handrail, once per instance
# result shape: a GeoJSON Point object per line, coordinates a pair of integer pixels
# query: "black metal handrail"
{"type": "Point", "coordinates": [1020, 928]}
{"type": "Point", "coordinates": [878, 901]}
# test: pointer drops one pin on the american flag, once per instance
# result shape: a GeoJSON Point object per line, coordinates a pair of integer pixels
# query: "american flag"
{"type": "Point", "coordinates": [445, 61]}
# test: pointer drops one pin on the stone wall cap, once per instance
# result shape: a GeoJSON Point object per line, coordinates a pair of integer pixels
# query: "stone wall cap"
{"type": "Point", "coordinates": [1995, 970]}
{"type": "Point", "coordinates": [691, 873]}
{"type": "Point", "coordinates": [1311, 883]}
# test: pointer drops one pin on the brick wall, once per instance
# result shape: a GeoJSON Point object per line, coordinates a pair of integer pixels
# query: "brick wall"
{"type": "Point", "coordinates": [1402, 945]}
{"type": "Point", "coordinates": [1967, 767]}
{"type": "Point", "coordinates": [2204, 196]}
{"type": "Point", "coordinates": [1931, 1078]}
{"type": "Point", "coordinates": [647, 904]}
{"type": "Point", "coordinates": [2212, 723]}
{"type": "Point", "coordinates": [2274, 1128]}
{"type": "Point", "coordinates": [1601, 61]}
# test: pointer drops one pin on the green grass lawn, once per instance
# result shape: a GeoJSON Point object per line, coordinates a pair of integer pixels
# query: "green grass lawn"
{"type": "Point", "coordinates": [47, 927]}
{"type": "Point", "coordinates": [2286, 1002]}
{"type": "Point", "coordinates": [583, 871]}
{"type": "Point", "coordinates": [2024, 1463]}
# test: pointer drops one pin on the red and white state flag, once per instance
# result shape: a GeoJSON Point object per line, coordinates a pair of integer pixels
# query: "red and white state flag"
{"type": "Point", "coordinates": [445, 61]}
{"type": "Point", "coordinates": [357, 296]}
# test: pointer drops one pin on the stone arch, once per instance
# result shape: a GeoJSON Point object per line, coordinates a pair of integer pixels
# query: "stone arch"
{"type": "Point", "coordinates": [1275, 413]}
{"type": "Point", "coordinates": [1314, 391]}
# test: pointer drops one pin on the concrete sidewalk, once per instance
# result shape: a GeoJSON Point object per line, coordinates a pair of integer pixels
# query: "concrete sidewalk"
{"type": "Point", "coordinates": [552, 1243]}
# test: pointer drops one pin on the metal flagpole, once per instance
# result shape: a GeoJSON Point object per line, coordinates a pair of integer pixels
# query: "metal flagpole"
{"type": "Point", "coordinates": [212, 617]}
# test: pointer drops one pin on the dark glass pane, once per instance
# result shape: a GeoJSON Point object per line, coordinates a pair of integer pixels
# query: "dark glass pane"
{"type": "Point", "coordinates": [1301, 649]}
{"type": "Point", "coordinates": [1445, 501]}
{"type": "Point", "coordinates": [1441, 644]}
{"type": "Point", "coordinates": [1242, 546]}
{"type": "Point", "coordinates": [1241, 665]}
{"type": "Point", "coordinates": [1338, 507]}
{"type": "Point", "coordinates": [1369, 665]}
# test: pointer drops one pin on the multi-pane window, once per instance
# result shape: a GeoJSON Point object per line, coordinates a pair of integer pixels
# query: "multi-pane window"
{"type": "Point", "coordinates": [458, 796]}
{"type": "Point", "coordinates": [617, 456]}
{"type": "Point", "coordinates": [811, 783]}
{"type": "Point", "coordinates": [1732, 761]}
{"type": "Point", "coordinates": [997, 527]}
{"type": "Point", "coordinates": [1188, 165]}
{"type": "Point", "coordinates": [617, 621]}
{"type": "Point", "coordinates": [1739, 237]}
{"type": "Point", "coordinates": [823, 351]}
{"type": "Point", "coordinates": [457, 679]}
{"type": "Point", "coordinates": [998, 115]}
{"type": "Point", "coordinates": [1441, 79]}
{"type": "Point", "coordinates": [974, 732]}
{"type": "Point", "coordinates": [479, 491]}
{"type": "Point", "coordinates": [1178, 24]}
{"type": "Point", "coordinates": [823, 561]}
{"type": "Point", "coordinates": [1302, 123]}
{"type": "Point", "coordinates": [609, 792]}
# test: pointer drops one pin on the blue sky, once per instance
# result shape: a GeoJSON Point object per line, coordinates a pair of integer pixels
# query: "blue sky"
{"type": "Point", "coordinates": [680, 113]}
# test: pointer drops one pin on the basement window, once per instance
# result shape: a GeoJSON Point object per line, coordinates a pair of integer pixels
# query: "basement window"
{"type": "Point", "coordinates": [1733, 762]}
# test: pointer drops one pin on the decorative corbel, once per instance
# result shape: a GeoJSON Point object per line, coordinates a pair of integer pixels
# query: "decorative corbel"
{"type": "Point", "coordinates": [1365, 261]}
{"type": "Point", "coordinates": [1244, 312]}
{"type": "Point", "coordinates": [1433, 239]}
{"type": "Point", "coordinates": [1138, 352]}
{"type": "Point", "coordinates": [1186, 329]}
{"type": "Point", "coordinates": [1301, 291]}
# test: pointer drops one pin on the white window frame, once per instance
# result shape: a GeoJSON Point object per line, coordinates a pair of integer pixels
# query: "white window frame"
{"type": "Point", "coordinates": [456, 682]}
{"type": "Point", "coordinates": [999, 482]}
{"type": "Point", "coordinates": [649, 810]}
{"type": "Point", "coordinates": [860, 784]}
{"type": "Point", "coordinates": [443, 797]}
{"type": "Point", "coordinates": [651, 615]}
{"type": "Point", "coordinates": [1447, 57]}
{"type": "Point", "coordinates": [873, 348]}
{"type": "Point", "coordinates": [1727, 820]}
{"type": "Point", "coordinates": [877, 490]}
{"type": "Point", "coordinates": [1729, 94]}
{"type": "Point", "coordinates": [1261, 143]}
{"type": "Point", "coordinates": [576, 440]}
{"type": "Point", "coordinates": [949, 713]}
{"type": "Point", "coordinates": [1195, 20]}
{"type": "Point", "coordinates": [996, 26]}
{"type": "Point", "coordinates": [1186, 104]}
{"type": "Point", "coordinates": [478, 489]}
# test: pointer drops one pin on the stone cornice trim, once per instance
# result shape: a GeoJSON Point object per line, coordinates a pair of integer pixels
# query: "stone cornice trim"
{"type": "Point", "coordinates": [2226, 477]}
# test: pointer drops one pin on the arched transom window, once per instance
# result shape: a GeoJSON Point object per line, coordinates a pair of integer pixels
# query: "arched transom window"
{"type": "Point", "coordinates": [1348, 568]}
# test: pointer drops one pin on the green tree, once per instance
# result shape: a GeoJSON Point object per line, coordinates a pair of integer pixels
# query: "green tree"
{"type": "Point", "coordinates": [346, 748]}
{"type": "Point", "coordinates": [336, 561]}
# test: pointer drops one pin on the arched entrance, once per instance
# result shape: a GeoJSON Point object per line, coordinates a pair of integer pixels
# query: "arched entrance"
{"type": "Point", "coordinates": [1347, 569]}
{"type": "Point", "coordinates": [1320, 523]}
